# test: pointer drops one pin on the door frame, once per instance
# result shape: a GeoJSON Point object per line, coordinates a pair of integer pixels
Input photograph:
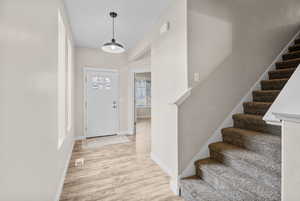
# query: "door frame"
{"type": "Point", "coordinates": [85, 70]}
{"type": "Point", "coordinates": [131, 95]}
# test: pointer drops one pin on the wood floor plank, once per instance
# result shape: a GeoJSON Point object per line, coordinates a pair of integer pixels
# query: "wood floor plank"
{"type": "Point", "coordinates": [120, 172]}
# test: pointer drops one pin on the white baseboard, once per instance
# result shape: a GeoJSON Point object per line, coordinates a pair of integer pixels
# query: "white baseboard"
{"type": "Point", "coordinates": [161, 164]}
{"type": "Point", "coordinates": [228, 122]}
{"type": "Point", "coordinates": [79, 138]}
{"type": "Point", "coordinates": [174, 184]}
{"type": "Point", "coordinates": [129, 132]}
{"type": "Point", "coordinates": [62, 180]}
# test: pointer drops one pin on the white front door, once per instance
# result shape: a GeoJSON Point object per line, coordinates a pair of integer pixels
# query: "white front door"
{"type": "Point", "coordinates": [102, 92]}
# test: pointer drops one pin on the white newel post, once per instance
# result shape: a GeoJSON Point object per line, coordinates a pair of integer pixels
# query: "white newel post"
{"type": "Point", "coordinates": [290, 156]}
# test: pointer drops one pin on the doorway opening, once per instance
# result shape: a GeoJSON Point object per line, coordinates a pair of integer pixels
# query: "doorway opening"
{"type": "Point", "coordinates": [142, 111]}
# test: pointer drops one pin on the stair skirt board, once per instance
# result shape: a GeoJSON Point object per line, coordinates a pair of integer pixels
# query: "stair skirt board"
{"type": "Point", "coordinates": [245, 165]}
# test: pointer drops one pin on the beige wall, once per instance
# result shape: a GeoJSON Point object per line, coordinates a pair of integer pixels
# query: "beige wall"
{"type": "Point", "coordinates": [231, 43]}
{"type": "Point", "coordinates": [31, 164]}
{"type": "Point", "coordinates": [169, 81]}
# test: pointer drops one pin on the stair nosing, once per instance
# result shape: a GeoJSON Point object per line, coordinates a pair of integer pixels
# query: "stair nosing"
{"type": "Point", "coordinates": [248, 115]}
{"type": "Point", "coordinates": [266, 91]}
{"type": "Point", "coordinates": [292, 47]}
{"type": "Point", "coordinates": [283, 70]}
{"type": "Point", "coordinates": [257, 133]}
{"type": "Point", "coordinates": [288, 60]}
{"type": "Point", "coordinates": [276, 80]}
{"type": "Point", "coordinates": [258, 103]}
{"type": "Point", "coordinates": [291, 53]}
{"type": "Point", "coordinates": [295, 45]}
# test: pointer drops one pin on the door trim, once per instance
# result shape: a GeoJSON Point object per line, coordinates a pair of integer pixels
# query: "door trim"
{"type": "Point", "coordinates": [85, 70]}
{"type": "Point", "coordinates": [131, 95]}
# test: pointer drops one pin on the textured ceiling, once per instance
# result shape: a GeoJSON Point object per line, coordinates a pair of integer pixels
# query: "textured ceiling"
{"type": "Point", "coordinates": [91, 24]}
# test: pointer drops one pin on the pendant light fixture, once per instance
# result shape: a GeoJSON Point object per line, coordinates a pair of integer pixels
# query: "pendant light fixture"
{"type": "Point", "coordinates": [113, 47]}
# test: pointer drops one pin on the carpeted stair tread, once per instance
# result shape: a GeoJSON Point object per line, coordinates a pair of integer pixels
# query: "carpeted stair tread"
{"type": "Point", "coordinates": [281, 73]}
{"type": "Point", "coordinates": [275, 84]}
{"type": "Point", "coordinates": [291, 55]}
{"type": "Point", "coordinates": [234, 184]}
{"type": "Point", "coordinates": [262, 143]}
{"type": "Point", "coordinates": [195, 189]}
{"type": "Point", "coordinates": [294, 48]}
{"type": "Point", "coordinates": [265, 95]}
{"type": "Point", "coordinates": [255, 123]}
{"type": "Point", "coordinates": [258, 108]}
{"type": "Point", "coordinates": [248, 162]}
{"type": "Point", "coordinates": [247, 156]}
{"type": "Point", "coordinates": [291, 63]}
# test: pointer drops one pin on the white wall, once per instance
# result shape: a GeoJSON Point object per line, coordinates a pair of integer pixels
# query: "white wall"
{"type": "Point", "coordinates": [31, 165]}
{"type": "Point", "coordinates": [231, 43]}
{"type": "Point", "coordinates": [169, 81]}
{"type": "Point", "coordinates": [96, 58]}
{"type": "Point", "coordinates": [290, 160]}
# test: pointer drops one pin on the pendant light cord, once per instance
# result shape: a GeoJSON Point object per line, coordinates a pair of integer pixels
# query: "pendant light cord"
{"type": "Point", "coordinates": [113, 28]}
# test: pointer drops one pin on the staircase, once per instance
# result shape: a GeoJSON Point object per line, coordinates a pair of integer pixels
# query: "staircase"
{"type": "Point", "coordinates": [246, 165]}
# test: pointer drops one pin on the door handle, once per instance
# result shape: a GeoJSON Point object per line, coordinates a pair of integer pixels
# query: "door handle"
{"type": "Point", "coordinates": [114, 105]}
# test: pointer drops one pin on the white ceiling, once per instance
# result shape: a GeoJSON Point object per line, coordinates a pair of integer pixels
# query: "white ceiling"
{"type": "Point", "coordinates": [91, 24]}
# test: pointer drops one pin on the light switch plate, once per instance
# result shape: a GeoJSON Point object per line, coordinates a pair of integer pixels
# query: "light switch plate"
{"type": "Point", "coordinates": [164, 28]}
{"type": "Point", "coordinates": [196, 77]}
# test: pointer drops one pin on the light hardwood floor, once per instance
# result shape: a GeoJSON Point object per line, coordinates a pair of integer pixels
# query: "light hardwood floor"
{"type": "Point", "coordinates": [121, 172]}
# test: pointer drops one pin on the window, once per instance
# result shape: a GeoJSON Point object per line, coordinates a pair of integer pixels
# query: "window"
{"type": "Point", "coordinates": [65, 63]}
{"type": "Point", "coordinates": [101, 83]}
{"type": "Point", "coordinates": [143, 92]}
